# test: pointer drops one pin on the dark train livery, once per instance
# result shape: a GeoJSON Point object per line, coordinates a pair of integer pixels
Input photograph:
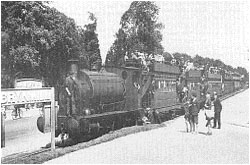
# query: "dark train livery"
{"type": "Point", "coordinates": [95, 102]}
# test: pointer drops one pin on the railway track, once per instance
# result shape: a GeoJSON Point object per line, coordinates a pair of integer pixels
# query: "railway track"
{"type": "Point", "coordinates": [231, 94]}
{"type": "Point", "coordinates": [11, 159]}
{"type": "Point", "coordinates": [18, 157]}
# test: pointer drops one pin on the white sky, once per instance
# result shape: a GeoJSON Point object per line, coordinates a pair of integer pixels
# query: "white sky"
{"type": "Point", "coordinates": [211, 29]}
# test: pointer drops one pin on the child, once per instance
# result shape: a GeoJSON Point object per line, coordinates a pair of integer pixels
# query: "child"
{"type": "Point", "coordinates": [186, 102]}
{"type": "Point", "coordinates": [209, 113]}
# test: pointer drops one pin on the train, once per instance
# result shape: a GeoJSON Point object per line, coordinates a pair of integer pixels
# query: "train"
{"type": "Point", "coordinates": [96, 102]}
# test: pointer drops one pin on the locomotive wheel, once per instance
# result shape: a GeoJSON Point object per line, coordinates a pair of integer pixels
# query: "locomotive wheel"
{"type": "Point", "coordinates": [133, 121]}
{"type": "Point", "coordinates": [136, 122]}
{"type": "Point", "coordinates": [73, 128]}
{"type": "Point", "coordinates": [123, 121]}
{"type": "Point", "coordinates": [130, 119]}
{"type": "Point", "coordinates": [113, 126]}
{"type": "Point", "coordinates": [94, 129]}
{"type": "Point", "coordinates": [118, 122]}
{"type": "Point", "coordinates": [84, 125]}
{"type": "Point", "coordinates": [127, 121]}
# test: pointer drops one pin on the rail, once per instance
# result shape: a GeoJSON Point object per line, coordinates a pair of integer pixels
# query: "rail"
{"type": "Point", "coordinates": [11, 159]}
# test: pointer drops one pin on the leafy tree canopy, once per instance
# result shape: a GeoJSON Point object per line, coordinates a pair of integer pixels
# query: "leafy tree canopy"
{"type": "Point", "coordinates": [37, 41]}
{"type": "Point", "coordinates": [139, 32]}
{"type": "Point", "coordinates": [91, 43]}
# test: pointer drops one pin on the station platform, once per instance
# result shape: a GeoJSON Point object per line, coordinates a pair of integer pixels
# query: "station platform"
{"type": "Point", "coordinates": [172, 144]}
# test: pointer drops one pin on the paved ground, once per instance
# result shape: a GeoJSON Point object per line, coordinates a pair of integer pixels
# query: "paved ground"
{"type": "Point", "coordinates": [22, 134]}
{"type": "Point", "coordinates": [172, 144]}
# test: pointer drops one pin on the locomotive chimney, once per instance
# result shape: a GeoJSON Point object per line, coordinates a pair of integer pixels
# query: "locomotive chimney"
{"type": "Point", "coordinates": [97, 65]}
{"type": "Point", "coordinates": [73, 66]}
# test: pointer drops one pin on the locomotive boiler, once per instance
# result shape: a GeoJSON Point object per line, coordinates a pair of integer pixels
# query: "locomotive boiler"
{"type": "Point", "coordinates": [91, 92]}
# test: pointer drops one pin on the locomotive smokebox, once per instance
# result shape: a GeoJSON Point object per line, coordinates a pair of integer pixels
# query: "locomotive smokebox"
{"type": "Point", "coordinates": [73, 66]}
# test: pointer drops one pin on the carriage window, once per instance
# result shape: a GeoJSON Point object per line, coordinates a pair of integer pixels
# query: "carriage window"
{"type": "Point", "coordinates": [162, 84]}
{"type": "Point", "coordinates": [159, 84]}
{"type": "Point", "coordinates": [173, 86]}
{"type": "Point", "coordinates": [194, 86]}
{"type": "Point", "coordinates": [167, 86]}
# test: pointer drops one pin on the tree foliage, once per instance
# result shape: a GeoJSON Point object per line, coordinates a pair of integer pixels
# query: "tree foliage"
{"type": "Point", "coordinates": [91, 42]}
{"type": "Point", "coordinates": [39, 40]}
{"type": "Point", "coordinates": [206, 62]}
{"type": "Point", "coordinates": [139, 32]}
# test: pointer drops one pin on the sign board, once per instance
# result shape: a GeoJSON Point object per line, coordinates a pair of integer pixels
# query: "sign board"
{"type": "Point", "coordinates": [25, 96]}
{"type": "Point", "coordinates": [28, 83]}
{"type": "Point", "coordinates": [36, 95]}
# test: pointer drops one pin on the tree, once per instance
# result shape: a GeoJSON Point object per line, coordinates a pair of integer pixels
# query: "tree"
{"type": "Point", "coordinates": [182, 57]}
{"type": "Point", "coordinates": [199, 60]}
{"type": "Point", "coordinates": [38, 41]}
{"type": "Point", "coordinates": [218, 63]}
{"type": "Point", "coordinates": [244, 72]}
{"type": "Point", "coordinates": [139, 32]}
{"type": "Point", "coordinates": [91, 42]}
{"type": "Point", "coordinates": [167, 56]}
{"type": "Point", "coordinates": [19, 53]}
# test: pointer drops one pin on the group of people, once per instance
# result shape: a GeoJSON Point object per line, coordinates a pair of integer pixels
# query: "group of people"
{"type": "Point", "coordinates": [211, 106]}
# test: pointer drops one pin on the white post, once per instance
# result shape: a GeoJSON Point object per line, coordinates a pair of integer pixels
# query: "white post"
{"type": "Point", "coordinates": [56, 110]}
{"type": "Point", "coordinates": [2, 130]}
{"type": "Point", "coordinates": [53, 119]}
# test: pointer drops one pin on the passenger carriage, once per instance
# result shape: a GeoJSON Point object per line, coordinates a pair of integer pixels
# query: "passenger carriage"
{"type": "Point", "coordinates": [193, 82]}
{"type": "Point", "coordinates": [228, 84]}
{"type": "Point", "coordinates": [164, 97]}
{"type": "Point", "coordinates": [214, 79]}
{"type": "Point", "coordinates": [158, 83]}
{"type": "Point", "coordinates": [237, 81]}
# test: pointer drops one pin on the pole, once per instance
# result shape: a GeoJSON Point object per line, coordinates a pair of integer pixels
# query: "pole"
{"type": "Point", "coordinates": [2, 130]}
{"type": "Point", "coordinates": [56, 110]}
{"type": "Point", "coordinates": [53, 119]}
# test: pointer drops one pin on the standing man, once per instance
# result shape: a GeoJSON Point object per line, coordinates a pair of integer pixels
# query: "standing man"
{"type": "Point", "coordinates": [185, 104]}
{"type": "Point", "coordinates": [179, 89]}
{"type": "Point", "coordinates": [217, 110]}
{"type": "Point", "coordinates": [194, 113]}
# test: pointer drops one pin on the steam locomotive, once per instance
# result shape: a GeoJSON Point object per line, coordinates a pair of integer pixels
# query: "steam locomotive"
{"type": "Point", "coordinates": [95, 102]}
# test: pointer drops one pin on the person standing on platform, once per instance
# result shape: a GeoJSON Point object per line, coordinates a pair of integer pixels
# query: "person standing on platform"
{"type": "Point", "coordinates": [185, 103]}
{"type": "Point", "coordinates": [209, 113]}
{"type": "Point", "coordinates": [179, 89]}
{"type": "Point", "coordinates": [217, 110]}
{"type": "Point", "coordinates": [194, 111]}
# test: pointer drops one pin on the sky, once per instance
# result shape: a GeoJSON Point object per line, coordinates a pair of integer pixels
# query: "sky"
{"type": "Point", "coordinates": [214, 29]}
